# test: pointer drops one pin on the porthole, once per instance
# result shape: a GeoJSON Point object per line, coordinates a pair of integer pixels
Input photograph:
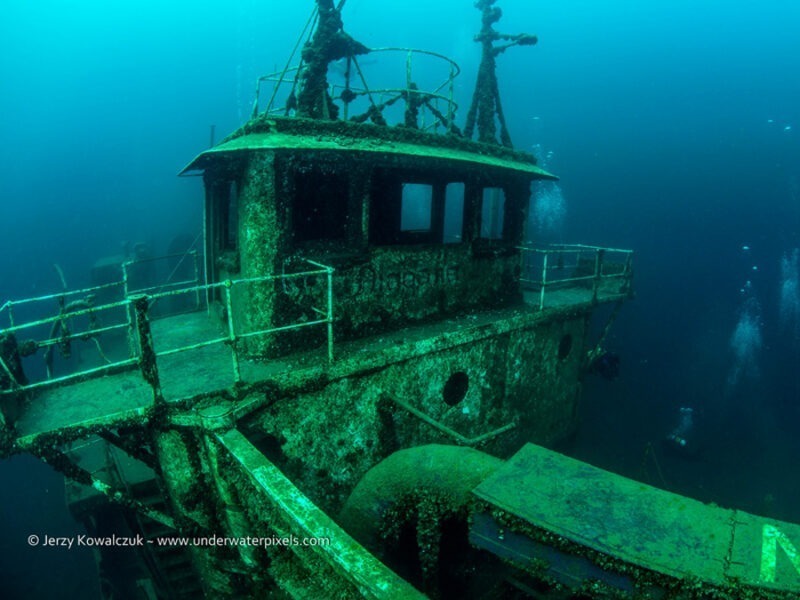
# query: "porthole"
{"type": "Point", "coordinates": [456, 388]}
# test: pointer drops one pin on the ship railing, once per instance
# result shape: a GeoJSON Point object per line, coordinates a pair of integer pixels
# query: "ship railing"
{"type": "Point", "coordinates": [120, 289]}
{"type": "Point", "coordinates": [231, 334]}
{"type": "Point", "coordinates": [181, 264]}
{"type": "Point", "coordinates": [132, 318]}
{"type": "Point", "coordinates": [359, 101]}
{"type": "Point", "coordinates": [78, 319]}
{"type": "Point", "coordinates": [589, 272]}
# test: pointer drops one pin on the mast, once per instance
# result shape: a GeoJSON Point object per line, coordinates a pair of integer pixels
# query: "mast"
{"type": "Point", "coordinates": [328, 44]}
{"type": "Point", "coordinates": [486, 97]}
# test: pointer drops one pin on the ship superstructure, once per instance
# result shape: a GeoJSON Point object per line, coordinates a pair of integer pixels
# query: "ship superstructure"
{"type": "Point", "coordinates": [342, 372]}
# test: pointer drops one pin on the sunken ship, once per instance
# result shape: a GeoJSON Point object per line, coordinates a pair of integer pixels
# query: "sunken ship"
{"type": "Point", "coordinates": [349, 389]}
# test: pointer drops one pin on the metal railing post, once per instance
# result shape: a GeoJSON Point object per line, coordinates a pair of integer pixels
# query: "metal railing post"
{"type": "Point", "coordinates": [147, 357]}
{"type": "Point", "coordinates": [408, 72]}
{"type": "Point", "coordinates": [12, 380]}
{"type": "Point", "coordinates": [125, 278]}
{"type": "Point", "coordinates": [544, 280]}
{"type": "Point", "coordinates": [130, 317]}
{"type": "Point", "coordinates": [196, 279]}
{"type": "Point", "coordinates": [598, 265]}
{"type": "Point", "coordinates": [237, 375]}
{"type": "Point", "coordinates": [330, 314]}
{"type": "Point", "coordinates": [138, 322]}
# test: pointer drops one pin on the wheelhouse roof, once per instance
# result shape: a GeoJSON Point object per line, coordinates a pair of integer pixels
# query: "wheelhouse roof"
{"type": "Point", "coordinates": [369, 139]}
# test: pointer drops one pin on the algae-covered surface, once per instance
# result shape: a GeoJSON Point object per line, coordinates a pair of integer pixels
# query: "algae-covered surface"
{"type": "Point", "coordinates": [71, 405]}
{"type": "Point", "coordinates": [362, 575]}
{"type": "Point", "coordinates": [202, 371]}
{"type": "Point", "coordinates": [284, 141]}
{"type": "Point", "coordinates": [641, 525]}
{"type": "Point", "coordinates": [573, 295]}
{"type": "Point", "coordinates": [197, 371]}
{"type": "Point", "coordinates": [118, 396]}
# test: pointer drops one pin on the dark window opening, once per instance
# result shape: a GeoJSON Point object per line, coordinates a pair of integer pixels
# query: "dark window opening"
{"type": "Point", "coordinates": [564, 347]}
{"type": "Point", "coordinates": [455, 389]}
{"type": "Point", "coordinates": [453, 213]}
{"type": "Point", "coordinates": [493, 206]}
{"type": "Point", "coordinates": [320, 205]}
{"type": "Point", "coordinates": [416, 208]}
{"type": "Point", "coordinates": [222, 229]}
{"type": "Point", "coordinates": [230, 233]}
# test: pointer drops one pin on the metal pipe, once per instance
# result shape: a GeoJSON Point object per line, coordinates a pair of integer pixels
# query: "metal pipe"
{"type": "Point", "coordinates": [196, 263]}
{"type": "Point", "coordinates": [330, 315]}
{"type": "Point", "coordinates": [125, 290]}
{"type": "Point", "coordinates": [196, 346]}
{"type": "Point", "coordinates": [163, 257]}
{"type": "Point", "coordinates": [14, 383]}
{"type": "Point", "coordinates": [206, 252]}
{"type": "Point", "coordinates": [70, 315]}
{"type": "Point", "coordinates": [288, 63]}
{"type": "Point", "coordinates": [118, 497]}
{"type": "Point", "coordinates": [282, 328]}
{"type": "Point", "coordinates": [83, 291]}
{"type": "Point", "coordinates": [364, 82]}
{"type": "Point", "coordinates": [414, 475]}
{"type": "Point", "coordinates": [544, 282]}
{"type": "Point", "coordinates": [408, 72]}
{"type": "Point", "coordinates": [81, 335]}
{"type": "Point", "coordinates": [237, 376]}
{"type": "Point", "coordinates": [64, 378]}
{"type": "Point", "coordinates": [464, 441]}
{"type": "Point", "coordinates": [347, 86]}
{"type": "Point", "coordinates": [191, 283]}
{"type": "Point", "coordinates": [598, 265]}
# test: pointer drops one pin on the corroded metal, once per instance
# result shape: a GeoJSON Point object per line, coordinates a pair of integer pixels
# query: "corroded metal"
{"type": "Point", "coordinates": [486, 105]}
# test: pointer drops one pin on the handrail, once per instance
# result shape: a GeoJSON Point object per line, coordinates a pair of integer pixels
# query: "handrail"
{"type": "Point", "coordinates": [289, 77]}
{"type": "Point", "coordinates": [560, 248]}
{"type": "Point", "coordinates": [137, 310]}
{"type": "Point", "coordinates": [591, 264]}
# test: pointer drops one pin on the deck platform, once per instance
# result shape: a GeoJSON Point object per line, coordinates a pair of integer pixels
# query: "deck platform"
{"type": "Point", "coordinates": [562, 296]}
{"type": "Point", "coordinates": [637, 525]}
{"type": "Point", "coordinates": [113, 399]}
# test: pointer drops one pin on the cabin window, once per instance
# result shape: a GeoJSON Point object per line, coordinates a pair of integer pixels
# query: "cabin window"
{"type": "Point", "coordinates": [406, 207]}
{"type": "Point", "coordinates": [492, 211]}
{"type": "Point", "coordinates": [416, 207]}
{"type": "Point", "coordinates": [453, 213]}
{"type": "Point", "coordinates": [320, 205]}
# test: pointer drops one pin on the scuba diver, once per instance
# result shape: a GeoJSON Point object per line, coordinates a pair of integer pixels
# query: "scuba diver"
{"type": "Point", "coordinates": [606, 364]}
{"type": "Point", "coordinates": [682, 441]}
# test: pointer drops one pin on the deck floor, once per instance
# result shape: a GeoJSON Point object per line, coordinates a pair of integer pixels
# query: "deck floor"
{"type": "Point", "coordinates": [188, 374]}
{"type": "Point", "coordinates": [563, 296]}
{"type": "Point", "coordinates": [183, 375]}
{"type": "Point", "coordinates": [66, 405]}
